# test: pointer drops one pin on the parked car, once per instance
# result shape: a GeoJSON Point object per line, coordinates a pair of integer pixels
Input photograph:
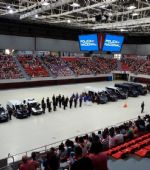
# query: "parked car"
{"type": "Point", "coordinates": [111, 96]}
{"type": "Point", "coordinates": [120, 94]}
{"type": "Point", "coordinates": [131, 91]}
{"type": "Point", "coordinates": [3, 115]}
{"type": "Point", "coordinates": [142, 90]}
{"type": "Point", "coordinates": [19, 110]}
{"type": "Point", "coordinates": [100, 96]}
{"type": "Point", "coordinates": [35, 106]}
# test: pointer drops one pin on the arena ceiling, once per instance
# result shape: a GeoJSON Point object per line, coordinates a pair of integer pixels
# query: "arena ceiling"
{"type": "Point", "coordinates": [131, 16]}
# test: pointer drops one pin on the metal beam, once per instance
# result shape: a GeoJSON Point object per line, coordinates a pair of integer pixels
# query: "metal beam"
{"type": "Point", "coordinates": [45, 8]}
{"type": "Point", "coordinates": [80, 9]}
{"type": "Point", "coordinates": [123, 23]}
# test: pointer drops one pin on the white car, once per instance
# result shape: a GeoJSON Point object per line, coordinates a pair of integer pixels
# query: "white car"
{"type": "Point", "coordinates": [20, 111]}
{"type": "Point", "coordinates": [35, 106]}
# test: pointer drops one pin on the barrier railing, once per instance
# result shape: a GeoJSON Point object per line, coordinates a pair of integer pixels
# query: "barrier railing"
{"type": "Point", "coordinates": [43, 149]}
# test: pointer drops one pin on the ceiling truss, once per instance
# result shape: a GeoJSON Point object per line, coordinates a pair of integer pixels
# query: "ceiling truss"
{"type": "Point", "coordinates": [100, 15]}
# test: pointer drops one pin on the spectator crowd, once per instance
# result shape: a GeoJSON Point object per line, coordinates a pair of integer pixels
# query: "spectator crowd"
{"type": "Point", "coordinates": [87, 152]}
{"type": "Point", "coordinates": [32, 66]}
{"type": "Point", "coordinates": [8, 68]}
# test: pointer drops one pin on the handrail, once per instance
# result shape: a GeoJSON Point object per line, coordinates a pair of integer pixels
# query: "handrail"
{"type": "Point", "coordinates": [47, 147]}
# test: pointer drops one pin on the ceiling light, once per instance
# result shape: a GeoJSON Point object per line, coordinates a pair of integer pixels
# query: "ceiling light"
{"type": "Point", "coordinates": [10, 11]}
{"type": "Point", "coordinates": [36, 16]}
{"type": "Point", "coordinates": [8, 7]}
{"type": "Point", "coordinates": [123, 30]}
{"type": "Point", "coordinates": [75, 5]}
{"type": "Point", "coordinates": [68, 20]}
{"type": "Point", "coordinates": [45, 3]}
{"type": "Point", "coordinates": [135, 14]}
{"type": "Point", "coordinates": [131, 7]}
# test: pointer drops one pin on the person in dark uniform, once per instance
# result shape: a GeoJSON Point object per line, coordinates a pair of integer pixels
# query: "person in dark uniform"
{"type": "Point", "coordinates": [80, 101]}
{"type": "Point", "coordinates": [44, 107]}
{"type": "Point", "coordinates": [64, 104]}
{"type": "Point", "coordinates": [42, 101]}
{"type": "Point", "coordinates": [53, 98]}
{"type": "Point", "coordinates": [29, 109]}
{"type": "Point", "coordinates": [47, 100]}
{"type": "Point", "coordinates": [75, 102]}
{"type": "Point", "coordinates": [10, 112]}
{"type": "Point", "coordinates": [49, 107]}
{"type": "Point", "coordinates": [54, 106]}
{"type": "Point", "coordinates": [142, 107]}
{"type": "Point", "coordinates": [62, 99]}
{"type": "Point", "coordinates": [70, 102]}
{"type": "Point", "coordinates": [59, 101]}
{"type": "Point", "coordinates": [66, 101]}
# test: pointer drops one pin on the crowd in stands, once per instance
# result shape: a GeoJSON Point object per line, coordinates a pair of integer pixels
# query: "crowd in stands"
{"type": "Point", "coordinates": [145, 69]}
{"type": "Point", "coordinates": [8, 68]}
{"type": "Point", "coordinates": [69, 66]}
{"type": "Point", "coordinates": [106, 65]}
{"type": "Point", "coordinates": [80, 65]}
{"type": "Point", "coordinates": [135, 64]}
{"type": "Point", "coordinates": [57, 66]}
{"type": "Point", "coordinates": [88, 152]}
{"type": "Point", "coordinates": [32, 66]}
{"type": "Point", "coordinates": [88, 65]}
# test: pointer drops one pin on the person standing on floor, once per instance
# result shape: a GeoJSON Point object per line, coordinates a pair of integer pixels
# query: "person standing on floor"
{"type": "Point", "coordinates": [49, 107]}
{"type": "Point", "coordinates": [80, 101]}
{"type": "Point", "coordinates": [47, 100]}
{"type": "Point", "coordinates": [59, 101]}
{"type": "Point", "coordinates": [142, 107]}
{"type": "Point", "coordinates": [70, 102]}
{"type": "Point", "coordinates": [43, 107]}
{"type": "Point", "coordinates": [75, 102]}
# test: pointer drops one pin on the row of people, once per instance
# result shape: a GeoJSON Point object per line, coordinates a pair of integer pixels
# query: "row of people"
{"type": "Point", "coordinates": [88, 152]}
{"type": "Point", "coordinates": [57, 66]}
{"type": "Point", "coordinates": [8, 68]}
{"type": "Point", "coordinates": [32, 66]}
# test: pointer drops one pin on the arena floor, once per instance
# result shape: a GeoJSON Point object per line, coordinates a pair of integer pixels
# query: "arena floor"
{"type": "Point", "coordinates": [22, 135]}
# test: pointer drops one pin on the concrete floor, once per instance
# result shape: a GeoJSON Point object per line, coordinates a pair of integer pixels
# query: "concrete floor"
{"type": "Point", "coordinates": [22, 135]}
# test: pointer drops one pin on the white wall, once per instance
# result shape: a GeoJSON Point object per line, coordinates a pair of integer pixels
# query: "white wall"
{"type": "Point", "coordinates": [41, 44]}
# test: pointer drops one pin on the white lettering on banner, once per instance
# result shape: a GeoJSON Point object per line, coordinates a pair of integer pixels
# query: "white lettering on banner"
{"type": "Point", "coordinates": [112, 43]}
{"type": "Point", "coordinates": [88, 43]}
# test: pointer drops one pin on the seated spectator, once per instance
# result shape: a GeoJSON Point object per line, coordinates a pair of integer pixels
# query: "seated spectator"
{"type": "Point", "coordinates": [29, 164]}
{"type": "Point", "coordinates": [81, 162]}
{"type": "Point", "coordinates": [52, 161]}
{"type": "Point", "coordinates": [9, 68]}
{"type": "Point", "coordinates": [119, 138]}
{"type": "Point", "coordinates": [99, 158]}
{"type": "Point", "coordinates": [32, 66]}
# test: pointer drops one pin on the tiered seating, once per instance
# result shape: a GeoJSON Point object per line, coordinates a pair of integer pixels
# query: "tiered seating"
{"type": "Point", "coordinates": [106, 65]}
{"type": "Point", "coordinates": [145, 68]}
{"type": "Point", "coordinates": [81, 65]}
{"type": "Point", "coordinates": [32, 66]}
{"type": "Point", "coordinates": [140, 146]}
{"type": "Point", "coordinates": [57, 66]}
{"type": "Point", "coordinates": [133, 63]}
{"type": "Point", "coordinates": [8, 68]}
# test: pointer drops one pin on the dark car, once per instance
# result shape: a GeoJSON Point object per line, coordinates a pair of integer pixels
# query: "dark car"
{"type": "Point", "coordinates": [139, 88]}
{"type": "Point", "coordinates": [102, 98]}
{"type": "Point", "coordinates": [111, 96]}
{"type": "Point", "coordinates": [3, 115]}
{"type": "Point", "coordinates": [21, 112]}
{"type": "Point", "coordinates": [120, 94]}
{"type": "Point", "coordinates": [131, 91]}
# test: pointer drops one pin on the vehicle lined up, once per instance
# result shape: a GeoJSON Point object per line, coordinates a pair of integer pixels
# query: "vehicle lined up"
{"type": "Point", "coordinates": [120, 91]}
{"type": "Point", "coordinates": [23, 109]}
